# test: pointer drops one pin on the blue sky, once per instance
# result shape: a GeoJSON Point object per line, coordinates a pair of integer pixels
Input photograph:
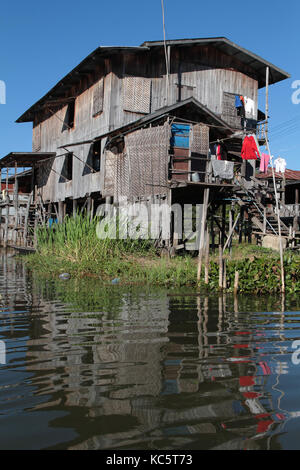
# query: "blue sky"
{"type": "Point", "coordinates": [43, 41]}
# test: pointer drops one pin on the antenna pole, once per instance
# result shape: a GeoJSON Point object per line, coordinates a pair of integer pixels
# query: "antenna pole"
{"type": "Point", "coordinates": [166, 53]}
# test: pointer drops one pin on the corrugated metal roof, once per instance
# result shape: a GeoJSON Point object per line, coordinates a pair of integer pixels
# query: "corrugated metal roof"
{"type": "Point", "coordinates": [24, 159]}
{"type": "Point", "coordinates": [223, 44]}
{"type": "Point", "coordinates": [245, 56]}
{"type": "Point", "coordinates": [293, 175]}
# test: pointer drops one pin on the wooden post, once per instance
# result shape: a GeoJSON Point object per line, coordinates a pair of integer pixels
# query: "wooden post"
{"type": "Point", "coordinates": [6, 211]}
{"type": "Point", "coordinates": [15, 205]}
{"type": "Point", "coordinates": [212, 231]}
{"type": "Point", "coordinates": [92, 209]}
{"type": "Point", "coordinates": [206, 277]}
{"type": "Point", "coordinates": [60, 212]}
{"type": "Point", "coordinates": [223, 223]}
{"type": "Point", "coordinates": [88, 208]}
{"type": "Point", "coordinates": [74, 207]}
{"type": "Point", "coordinates": [26, 220]}
{"type": "Point", "coordinates": [236, 282]}
{"type": "Point", "coordinates": [35, 228]}
{"type": "Point", "coordinates": [220, 267]}
{"type": "Point", "coordinates": [241, 225]}
{"type": "Point", "coordinates": [231, 216]}
{"type": "Point", "coordinates": [224, 274]}
{"type": "Point", "coordinates": [202, 231]}
{"type": "Point", "coordinates": [230, 233]}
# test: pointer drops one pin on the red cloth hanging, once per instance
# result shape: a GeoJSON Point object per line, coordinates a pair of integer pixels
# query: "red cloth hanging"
{"type": "Point", "coordinates": [249, 149]}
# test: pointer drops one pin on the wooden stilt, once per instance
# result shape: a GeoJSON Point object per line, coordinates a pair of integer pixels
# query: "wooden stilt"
{"type": "Point", "coordinates": [206, 276]}
{"type": "Point", "coordinates": [223, 223]}
{"type": "Point", "coordinates": [202, 232]}
{"type": "Point", "coordinates": [224, 274]}
{"type": "Point", "coordinates": [241, 224]}
{"type": "Point", "coordinates": [236, 282]}
{"type": "Point", "coordinates": [220, 267]}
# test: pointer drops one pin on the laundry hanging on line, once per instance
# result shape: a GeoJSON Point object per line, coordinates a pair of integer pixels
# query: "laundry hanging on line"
{"type": "Point", "coordinates": [280, 165]}
{"type": "Point", "coordinates": [264, 162]}
{"type": "Point", "coordinates": [240, 105]}
{"type": "Point", "coordinates": [223, 169]}
{"type": "Point", "coordinates": [250, 148]}
{"type": "Point", "coordinates": [249, 107]}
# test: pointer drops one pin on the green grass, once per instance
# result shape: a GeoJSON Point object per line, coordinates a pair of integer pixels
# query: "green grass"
{"type": "Point", "coordinates": [74, 247]}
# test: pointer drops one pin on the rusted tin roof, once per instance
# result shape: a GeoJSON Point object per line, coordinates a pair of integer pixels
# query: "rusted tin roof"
{"type": "Point", "coordinates": [293, 175]}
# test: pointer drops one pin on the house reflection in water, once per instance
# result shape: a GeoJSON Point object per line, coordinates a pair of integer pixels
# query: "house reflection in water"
{"type": "Point", "coordinates": [145, 368]}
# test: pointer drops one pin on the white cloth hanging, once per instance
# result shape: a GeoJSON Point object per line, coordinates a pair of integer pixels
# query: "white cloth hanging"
{"type": "Point", "coordinates": [249, 107]}
{"type": "Point", "coordinates": [280, 165]}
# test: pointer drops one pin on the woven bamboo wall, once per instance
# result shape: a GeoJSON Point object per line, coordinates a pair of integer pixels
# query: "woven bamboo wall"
{"type": "Point", "coordinates": [142, 168]}
{"type": "Point", "coordinates": [148, 157]}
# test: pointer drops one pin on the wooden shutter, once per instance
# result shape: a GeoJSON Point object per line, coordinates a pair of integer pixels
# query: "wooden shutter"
{"type": "Point", "coordinates": [98, 98]}
{"type": "Point", "coordinates": [137, 94]}
{"type": "Point", "coordinates": [36, 142]}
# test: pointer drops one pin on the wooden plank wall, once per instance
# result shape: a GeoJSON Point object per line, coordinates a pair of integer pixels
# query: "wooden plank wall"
{"type": "Point", "coordinates": [201, 72]}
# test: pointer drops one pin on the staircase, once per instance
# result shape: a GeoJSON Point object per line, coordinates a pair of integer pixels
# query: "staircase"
{"type": "Point", "coordinates": [262, 216]}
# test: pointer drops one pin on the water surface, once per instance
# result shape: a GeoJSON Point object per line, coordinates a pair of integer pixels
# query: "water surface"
{"type": "Point", "coordinates": [90, 366]}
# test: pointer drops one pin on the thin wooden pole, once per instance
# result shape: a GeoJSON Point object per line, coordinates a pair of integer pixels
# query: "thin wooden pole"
{"type": "Point", "coordinates": [202, 232]}
{"type": "Point", "coordinates": [275, 188]}
{"type": "Point", "coordinates": [16, 189]}
{"type": "Point", "coordinates": [220, 267]}
{"type": "Point", "coordinates": [224, 274]}
{"type": "Point", "coordinates": [231, 232]}
{"type": "Point", "coordinates": [206, 276]}
{"type": "Point", "coordinates": [223, 223]}
{"type": "Point", "coordinates": [236, 282]}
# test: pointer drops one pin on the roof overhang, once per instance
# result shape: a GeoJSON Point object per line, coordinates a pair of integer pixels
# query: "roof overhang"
{"type": "Point", "coordinates": [58, 92]}
{"type": "Point", "coordinates": [257, 63]}
{"type": "Point", "coordinates": [24, 159]}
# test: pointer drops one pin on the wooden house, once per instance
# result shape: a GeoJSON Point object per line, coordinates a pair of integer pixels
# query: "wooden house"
{"type": "Point", "coordinates": [140, 122]}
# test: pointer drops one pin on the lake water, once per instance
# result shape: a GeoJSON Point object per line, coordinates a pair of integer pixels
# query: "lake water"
{"type": "Point", "coordinates": [122, 367]}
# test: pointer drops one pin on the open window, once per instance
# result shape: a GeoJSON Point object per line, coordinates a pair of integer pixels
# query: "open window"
{"type": "Point", "coordinates": [96, 155]}
{"type": "Point", "coordinates": [67, 169]}
{"type": "Point", "coordinates": [69, 120]}
{"type": "Point", "coordinates": [93, 162]}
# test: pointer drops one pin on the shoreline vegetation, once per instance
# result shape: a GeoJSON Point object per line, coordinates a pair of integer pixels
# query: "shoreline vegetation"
{"type": "Point", "coordinates": [73, 247]}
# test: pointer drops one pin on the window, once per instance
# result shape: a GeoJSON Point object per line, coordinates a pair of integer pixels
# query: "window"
{"type": "Point", "coordinates": [93, 162]}
{"type": "Point", "coordinates": [96, 156]}
{"type": "Point", "coordinates": [67, 169]}
{"type": "Point", "coordinates": [98, 98]}
{"type": "Point", "coordinates": [69, 120]}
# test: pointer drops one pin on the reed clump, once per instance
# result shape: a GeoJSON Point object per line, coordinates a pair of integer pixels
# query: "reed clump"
{"type": "Point", "coordinates": [74, 246]}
